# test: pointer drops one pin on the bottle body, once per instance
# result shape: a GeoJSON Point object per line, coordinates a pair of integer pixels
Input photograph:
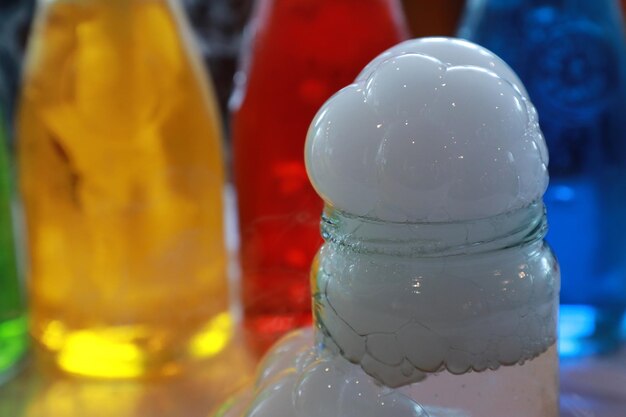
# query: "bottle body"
{"type": "Point", "coordinates": [121, 175]}
{"type": "Point", "coordinates": [572, 59]}
{"type": "Point", "coordinates": [301, 52]}
{"type": "Point", "coordinates": [13, 325]}
{"type": "Point", "coordinates": [219, 27]}
{"type": "Point", "coordinates": [456, 315]}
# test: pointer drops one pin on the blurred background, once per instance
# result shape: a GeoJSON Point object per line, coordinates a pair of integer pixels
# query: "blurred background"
{"type": "Point", "coordinates": [156, 222]}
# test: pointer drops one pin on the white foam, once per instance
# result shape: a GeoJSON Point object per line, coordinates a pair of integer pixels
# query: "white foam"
{"type": "Point", "coordinates": [432, 130]}
{"type": "Point", "coordinates": [401, 319]}
{"type": "Point", "coordinates": [300, 380]}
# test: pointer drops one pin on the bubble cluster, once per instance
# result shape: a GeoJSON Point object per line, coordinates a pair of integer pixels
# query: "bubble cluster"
{"type": "Point", "coordinates": [435, 144]}
{"type": "Point", "coordinates": [432, 130]}
{"type": "Point", "coordinates": [300, 379]}
{"type": "Point", "coordinates": [401, 320]}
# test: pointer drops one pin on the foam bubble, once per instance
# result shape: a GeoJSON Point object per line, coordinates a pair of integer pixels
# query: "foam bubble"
{"type": "Point", "coordinates": [432, 130]}
{"type": "Point", "coordinates": [324, 385]}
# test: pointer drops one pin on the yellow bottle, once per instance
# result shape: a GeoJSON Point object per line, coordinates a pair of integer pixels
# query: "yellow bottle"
{"type": "Point", "coordinates": [121, 172]}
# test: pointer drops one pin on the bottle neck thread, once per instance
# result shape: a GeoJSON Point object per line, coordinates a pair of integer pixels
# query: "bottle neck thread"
{"type": "Point", "coordinates": [366, 235]}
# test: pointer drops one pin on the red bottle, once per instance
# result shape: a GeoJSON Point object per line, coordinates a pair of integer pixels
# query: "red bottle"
{"type": "Point", "coordinates": [300, 53]}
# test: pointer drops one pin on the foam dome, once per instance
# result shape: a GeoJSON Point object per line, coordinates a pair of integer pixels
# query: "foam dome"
{"type": "Point", "coordinates": [433, 130]}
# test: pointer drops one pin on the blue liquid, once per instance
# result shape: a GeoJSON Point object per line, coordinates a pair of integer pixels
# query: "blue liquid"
{"type": "Point", "coordinates": [571, 56]}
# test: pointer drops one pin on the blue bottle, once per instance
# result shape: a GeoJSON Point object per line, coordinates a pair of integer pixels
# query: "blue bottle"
{"type": "Point", "coordinates": [571, 56]}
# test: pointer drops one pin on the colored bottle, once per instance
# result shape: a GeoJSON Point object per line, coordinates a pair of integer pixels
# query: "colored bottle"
{"type": "Point", "coordinates": [300, 52]}
{"type": "Point", "coordinates": [219, 25]}
{"type": "Point", "coordinates": [121, 173]}
{"type": "Point", "coordinates": [13, 325]}
{"type": "Point", "coordinates": [434, 292]}
{"type": "Point", "coordinates": [572, 56]}
{"type": "Point", "coordinates": [433, 18]}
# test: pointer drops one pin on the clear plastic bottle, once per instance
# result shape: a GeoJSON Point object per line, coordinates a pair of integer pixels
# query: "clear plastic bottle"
{"type": "Point", "coordinates": [121, 172]}
{"type": "Point", "coordinates": [469, 306]}
{"type": "Point", "coordinates": [434, 293]}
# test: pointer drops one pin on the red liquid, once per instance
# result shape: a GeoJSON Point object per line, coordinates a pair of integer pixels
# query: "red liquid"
{"type": "Point", "coordinates": [302, 52]}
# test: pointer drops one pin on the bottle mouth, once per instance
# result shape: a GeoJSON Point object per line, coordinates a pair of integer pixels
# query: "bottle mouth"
{"type": "Point", "coordinates": [421, 239]}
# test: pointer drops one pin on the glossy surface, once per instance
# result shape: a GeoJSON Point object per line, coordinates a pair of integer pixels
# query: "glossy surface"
{"type": "Point", "coordinates": [300, 52]}
{"type": "Point", "coordinates": [13, 325]}
{"type": "Point", "coordinates": [453, 315]}
{"type": "Point", "coordinates": [298, 379]}
{"type": "Point", "coordinates": [407, 300]}
{"type": "Point", "coordinates": [408, 143]}
{"type": "Point", "coordinates": [121, 173]}
{"type": "Point", "coordinates": [572, 57]}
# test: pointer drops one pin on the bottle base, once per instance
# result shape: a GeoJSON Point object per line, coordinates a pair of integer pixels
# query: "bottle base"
{"type": "Point", "coordinates": [132, 352]}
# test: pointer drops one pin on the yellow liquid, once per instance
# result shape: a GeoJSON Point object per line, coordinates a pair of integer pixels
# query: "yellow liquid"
{"type": "Point", "coordinates": [121, 173]}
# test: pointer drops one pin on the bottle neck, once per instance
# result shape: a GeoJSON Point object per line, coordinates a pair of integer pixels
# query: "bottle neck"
{"type": "Point", "coordinates": [263, 10]}
{"type": "Point", "coordinates": [365, 235]}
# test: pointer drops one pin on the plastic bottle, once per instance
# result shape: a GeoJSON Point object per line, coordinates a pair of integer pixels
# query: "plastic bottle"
{"type": "Point", "coordinates": [434, 292]}
{"type": "Point", "coordinates": [299, 53]}
{"type": "Point", "coordinates": [121, 173]}
{"type": "Point", "coordinates": [572, 57]}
